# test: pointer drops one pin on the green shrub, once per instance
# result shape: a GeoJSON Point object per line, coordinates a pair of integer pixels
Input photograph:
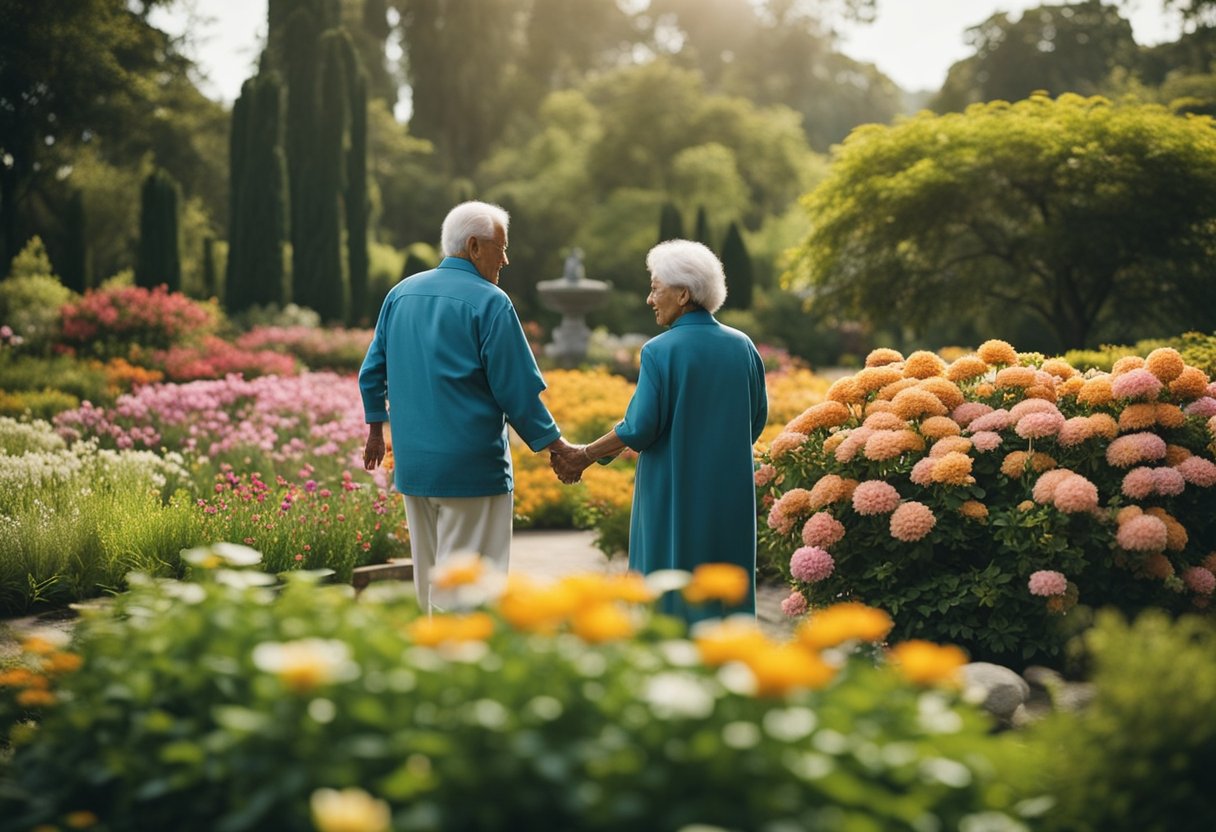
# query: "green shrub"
{"type": "Point", "coordinates": [27, 373]}
{"type": "Point", "coordinates": [30, 305]}
{"type": "Point", "coordinates": [36, 404]}
{"type": "Point", "coordinates": [218, 704]}
{"type": "Point", "coordinates": [1197, 349]}
{"type": "Point", "coordinates": [1141, 754]}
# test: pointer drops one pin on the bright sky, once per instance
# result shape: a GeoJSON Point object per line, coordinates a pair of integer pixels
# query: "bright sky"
{"type": "Point", "coordinates": [912, 41]}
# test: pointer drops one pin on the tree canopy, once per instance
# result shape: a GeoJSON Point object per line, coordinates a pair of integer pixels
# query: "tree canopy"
{"type": "Point", "coordinates": [1093, 217]}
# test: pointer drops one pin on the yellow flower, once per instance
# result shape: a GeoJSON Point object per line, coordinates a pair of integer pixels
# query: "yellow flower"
{"type": "Point", "coordinates": [882, 356]}
{"type": "Point", "coordinates": [723, 582]}
{"type": "Point", "coordinates": [80, 819]}
{"type": "Point", "coordinates": [20, 677]}
{"type": "Point", "coordinates": [780, 669]}
{"type": "Point", "coordinates": [923, 364]}
{"type": "Point", "coordinates": [349, 810]}
{"type": "Point", "coordinates": [629, 587]}
{"type": "Point", "coordinates": [602, 622]}
{"type": "Point", "coordinates": [984, 389]}
{"type": "Point", "coordinates": [996, 351]}
{"type": "Point", "coordinates": [790, 393]}
{"type": "Point", "coordinates": [1025, 505]}
{"type": "Point", "coordinates": [846, 621]}
{"type": "Point", "coordinates": [62, 663]}
{"type": "Point", "coordinates": [535, 608]}
{"type": "Point", "coordinates": [731, 640]}
{"type": "Point", "coordinates": [974, 509]}
{"type": "Point", "coordinates": [458, 570]}
{"type": "Point", "coordinates": [434, 630]}
{"type": "Point", "coordinates": [926, 663]}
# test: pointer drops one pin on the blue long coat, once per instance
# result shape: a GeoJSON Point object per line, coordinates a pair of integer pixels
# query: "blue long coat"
{"type": "Point", "coordinates": [699, 406]}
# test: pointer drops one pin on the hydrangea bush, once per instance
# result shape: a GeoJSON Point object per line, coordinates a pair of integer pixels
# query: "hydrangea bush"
{"type": "Point", "coordinates": [549, 706]}
{"type": "Point", "coordinates": [979, 501]}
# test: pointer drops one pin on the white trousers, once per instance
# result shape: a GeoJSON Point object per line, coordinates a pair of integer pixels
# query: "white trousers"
{"type": "Point", "coordinates": [444, 526]}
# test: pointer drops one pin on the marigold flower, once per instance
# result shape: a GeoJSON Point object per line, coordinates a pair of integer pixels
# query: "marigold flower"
{"type": "Point", "coordinates": [795, 605]}
{"type": "Point", "coordinates": [20, 677]}
{"type": "Point", "coordinates": [1190, 384]}
{"type": "Point", "coordinates": [1197, 471]}
{"type": "Point", "coordinates": [967, 411]}
{"type": "Point", "coordinates": [876, 378]}
{"type": "Point", "coordinates": [1169, 415]}
{"type": "Point", "coordinates": [786, 442]}
{"type": "Point", "coordinates": [1165, 363]}
{"type": "Point", "coordinates": [781, 668]}
{"type": "Point", "coordinates": [1138, 483]}
{"type": "Point", "coordinates": [1134, 448]}
{"type": "Point", "coordinates": [954, 468]}
{"type": "Point", "coordinates": [1158, 566]}
{"type": "Point", "coordinates": [1144, 533]}
{"type": "Point", "coordinates": [1059, 368]}
{"type": "Point", "coordinates": [1126, 364]}
{"type": "Point", "coordinates": [1135, 384]}
{"type": "Point", "coordinates": [349, 810]}
{"type": "Point", "coordinates": [1047, 582]}
{"type": "Point", "coordinates": [1045, 487]}
{"type": "Point", "coordinates": [1014, 464]}
{"type": "Point", "coordinates": [884, 420]}
{"type": "Point", "coordinates": [923, 364]}
{"type": "Point", "coordinates": [603, 622]}
{"type": "Point", "coordinates": [1199, 580]}
{"type": "Point", "coordinates": [913, 403]}
{"type": "Point", "coordinates": [1103, 425]}
{"type": "Point", "coordinates": [431, 631]}
{"type": "Point", "coordinates": [966, 368]}
{"type": "Point", "coordinates": [936, 427]}
{"type": "Point", "coordinates": [1070, 386]}
{"type": "Point", "coordinates": [996, 351]}
{"type": "Point", "coordinates": [811, 564]}
{"type": "Point", "coordinates": [926, 663]}
{"type": "Point", "coordinates": [823, 530]}
{"type": "Point", "coordinates": [883, 356]}
{"type": "Point", "coordinates": [1039, 425]}
{"type": "Point", "coordinates": [1096, 392]}
{"type": "Point", "coordinates": [846, 391]}
{"type": "Point", "coordinates": [62, 663]}
{"type": "Point", "coordinates": [922, 471]}
{"type": "Point", "coordinates": [985, 389]}
{"type": "Point", "coordinates": [725, 582]}
{"type": "Point", "coordinates": [912, 521]}
{"type": "Point", "coordinates": [728, 640]}
{"type": "Point", "coordinates": [1040, 462]}
{"type": "Point", "coordinates": [946, 391]}
{"type": "Point", "coordinates": [974, 510]}
{"type": "Point", "coordinates": [839, 623]}
{"type": "Point", "coordinates": [1075, 494]}
{"type": "Point", "coordinates": [534, 608]}
{"type": "Point", "coordinates": [826, 414]}
{"type": "Point", "coordinates": [875, 497]}
{"type": "Point", "coordinates": [948, 444]}
{"type": "Point", "coordinates": [827, 490]}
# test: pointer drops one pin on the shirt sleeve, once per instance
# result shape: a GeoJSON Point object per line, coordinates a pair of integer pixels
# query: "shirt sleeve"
{"type": "Point", "coordinates": [373, 375]}
{"type": "Point", "coordinates": [515, 380]}
{"type": "Point", "coordinates": [759, 396]}
{"type": "Point", "coordinates": [643, 418]}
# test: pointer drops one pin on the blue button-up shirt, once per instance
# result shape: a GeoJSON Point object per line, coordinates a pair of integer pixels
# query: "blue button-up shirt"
{"type": "Point", "coordinates": [450, 356]}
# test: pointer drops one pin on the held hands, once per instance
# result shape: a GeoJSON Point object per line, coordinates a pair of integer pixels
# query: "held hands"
{"type": "Point", "coordinates": [568, 461]}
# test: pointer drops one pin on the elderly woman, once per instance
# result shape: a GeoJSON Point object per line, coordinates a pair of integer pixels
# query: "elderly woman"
{"type": "Point", "coordinates": [699, 406]}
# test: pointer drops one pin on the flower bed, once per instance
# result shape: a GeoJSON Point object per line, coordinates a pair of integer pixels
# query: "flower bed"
{"type": "Point", "coordinates": [979, 501]}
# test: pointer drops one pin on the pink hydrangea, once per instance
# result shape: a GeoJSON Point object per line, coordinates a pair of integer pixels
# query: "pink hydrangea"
{"type": "Point", "coordinates": [1168, 482]}
{"type": "Point", "coordinates": [1135, 384]}
{"type": "Point", "coordinates": [764, 475]}
{"type": "Point", "coordinates": [795, 605]}
{"type": "Point", "coordinates": [1074, 431]}
{"type": "Point", "coordinates": [1144, 533]}
{"type": "Point", "coordinates": [1204, 408]}
{"type": "Point", "coordinates": [1045, 487]}
{"type": "Point", "coordinates": [1198, 471]}
{"type": "Point", "coordinates": [811, 564]}
{"type": "Point", "coordinates": [1039, 425]}
{"type": "Point", "coordinates": [1075, 494]}
{"type": "Point", "coordinates": [885, 444]}
{"type": "Point", "coordinates": [822, 529]}
{"type": "Point", "coordinates": [852, 443]}
{"type": "Point", "coordinates": [875, 497]}
{"type": "Point", "coordinates": [778, 521]}
{"type": "Point", "coordinates": [993, 420]}
{"type": "Point", "coordinates": [967, 411]}
{"type": "Point", "coordinates": [922, 471]}
{"type": "Point", "coordinates": [1199, 580]}
{"type": "Point", "coordinates": [1139, 483]}
{"type": "Point", "coordinates": [986, 440]}
{"type": "Point", "coordinates": [912, 521]}
{"type": "Point", "coordinates": [1134, 448]}
{"type": "Point", "coordinates": [1047, 582]}
{"type": "Point", "coordinates": [1027, 406]}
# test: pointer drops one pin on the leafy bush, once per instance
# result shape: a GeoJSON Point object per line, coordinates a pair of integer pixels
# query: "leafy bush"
{"type": "Point", "coordinates": [30, 305]}
{"type": "Point", "coordinates": [1041, 488]}
{"type": "Point", "coordinates": [1140, 755]}
{"type": "Point", "coordinates": [559, 707]}
{"type": "Point", "coordinates": [216, 358]}
{"type": "Point", "coordinates": [1196, 348]}
{"type": "Point", "coordinates": [36, 404]}
{"type": "Point", "coordinates": [117, 320]}
{"type": "Point", "coordinates": [86, 381]}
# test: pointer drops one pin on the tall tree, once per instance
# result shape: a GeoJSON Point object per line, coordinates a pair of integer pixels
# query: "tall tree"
{"type": "Point", "coordinates": [1081, 213]}
{"type": "Point", "coordinates": [737, 263]}
{"type": "Point", "coordinates": [75, 270]}
{"type": "Point", "coordinates": [210, 283]}
{"type": "Point", "coordinates": [671, 224]}
{"type": "Point", "coordinates": [356, 199]}
{"type": "Point", "coordinates": [159, 259]}
{"type": "Point", "coordinates": [701, 230]}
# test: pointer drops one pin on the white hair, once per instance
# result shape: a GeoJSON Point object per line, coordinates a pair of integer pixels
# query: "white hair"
{"type": "Point", "coordinates": [471, 219]}
{"type": "Point", "coordinates": [684, 264]}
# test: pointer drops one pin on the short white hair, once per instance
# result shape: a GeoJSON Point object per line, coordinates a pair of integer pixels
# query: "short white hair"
{"type": "Point", "coordinates": [684, 264]}
{"type": "Point", "coordinates": [471, 219]}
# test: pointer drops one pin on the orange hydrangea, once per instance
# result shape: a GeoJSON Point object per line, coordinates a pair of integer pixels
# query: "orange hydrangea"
{"type": "Point", "coordinates": [953, 469]}
{"type": "Point", "coordinates": [1096, 392]}
{"type": "Point", "coordinates": [1014, 377]}
{"type": "Point", "coordinates": [890, 391]}
{"type": "Point", "coordinates": [1059, 368]}
{"type": "Point", "coordinates": [974, 509]}
{"type": "Point", "coordinates": [875, 378]}
{"type": "Point", "coordinates": [1169, 415]}
{"type": "Point", "coordinates": [947, 392]}
{"type": "Point", "coordinates": [1138, 416]}
{"type": "Point", "coordinates": [883, 356]}
{"type": "Point", "coordinates": [923, 364]}
{"type": "Point", "coordinates": [1165, 363]}
{"type": "Point", "coordinates": [828, 414]}
{"type": "Point", "coordinates": [1126, 364]}
{"type": "Point", "coordinates": [935, 427]}
{"type": "Point", "coordinates": [884, 420]}
{"type": "Point", "coordinates": [1014, 464]}
{"type": "Point", "coordinates": [996, 351]}
{"type": "Point", "coordinates": [966, 368]}
{"type": "Point", "coordinates": [1104, 425]}
{"type": "Point", "coordinates": [913, 403]}
{"type": "Point", "coordinates": [1191, 383]}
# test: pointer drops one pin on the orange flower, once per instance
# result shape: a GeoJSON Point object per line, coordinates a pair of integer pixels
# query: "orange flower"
{"type": "Point", "coordinates": [974, 509]}
{"type": "Point", "coordinates": [966, 368]}
{"type": "Point", "coordinates": [953, 469]}
{"type": "Point", "coordinates": [1070, 387]}
{"type": "Point", "coordinates": [20, 677]}
{"type": "Point", "coordinates": [846, 391]}
{"type": "Point", "coordinates": [1104, 425]}
{"type": "Point", "coordinates": [846, 621]}
{"type": "Point", "coordinates": [827, 414]}
{"type": "Point", "coordinates": [35, 698]}
{"type": "Point", "coordinates": [601, 623]}
{"type": "Point", "coordinates": [889, 391]}
{"type": "Point", "coordinates": [1015, 377]}
{"type": "Point", "coordinates": [875, 378]}
{"type": "Point", "coordinates": [1190, 384]}
{"type": "Point", "coordinates": [1165, 363]}
{"type": "Point", "coordinates": [1169, 415]}
{"type": "Point", "coordinates": [780, 669]}
{"type": "Point", "coordinates": [1014, 464]}
{"type": "Point", "coordinates": [996, 351]}
{"type": "Point", "coordinates": [1040, 391]}
{"type": "Point", "coordinates": [947, 392]}
{"type": "Point", "coordinates": [434, 630]}
{"type": "Point", "coordinates": [935, 427]}
{"type": "Point", "coordinates": [1040, 462]}
{"type": "Point", "coordinates": [1175, 454]}
{"type": "Point", "coordinates": [926, 663]}
{"type": "Point", "coordinates": [723, 582]}
{"type": "Point", "coordinates": [1096, 392]}
{"type": "Point", "coordinates": [923, 364]}
{"type": "Point", "coordinates": [533, 608]}
{"type": "Point", "coordinates": [1138, 416]}
{"type": "Point", "coordinates": [80, 819]}
{"type": "Point", "coordinates": [1126, 364]}
{"type": "Point", "coordinates": [882, 356]}
{"type": "Point", "coordinates": [62, 663]}
{"type": "Point", "coordinates": [1059, 368]}
{"type": "Point", "coordinates": [884, 420]}
{"type": "Point", "coordinates": [458, 570]}
{"type": "Point", "coordinates": [912, 403]}
{"type": "Point", "coordinates": [726, 641]}
{"type": "Point", "coordinates": [984, 390]}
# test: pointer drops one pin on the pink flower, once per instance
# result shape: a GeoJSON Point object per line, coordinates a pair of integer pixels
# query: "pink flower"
{"type": "Point", "coordinates": [1047, 583]}
{"type": "Point", "coordinates": [885, 444]}
{"type": "Point", "coordinates": [1039, 425]}
{"type": "Point", "coordinates": [1144, 533]}
{"type": "Point", "coordinates": [922, 471]}
{"type": "Point", "coordinates": [1045, 487]}
{"type": "Point", "coordinates": [967, 411]}
{"type": "Point", "coordinates": [822, 529]}
{"type": "Point", "coordinates": [852, 443]}
{"type": "Point", "coordinates": [1027, 406]}
{"type": "Point", "coordinates": [1199, 580]}
{"type": "Point", "coordinates": [1205, 408]}
{"type": "Point", "coordinates": [1134, 448]}
{"type": "Point", "coordinates": [875, 497]}
{"type": "Point", "coordinates": [1139, 483]}
{"type": "Point", "coordinates": [1074, 431]}
{"type": "Point", "coordinates": [995, 420]}
{"type": "Point", "coordinates": [1168, 482]}
{"type": "Point", "coordinates": [764, 475]}
{"type": "Point", "coordinates": [1198, 471]}
{"type": "Point", "coordinates": [1075, 494]}
{"type": "Point", "coordinates": [1135, 384]}
{"type": "Point", "coordinates": [811, 564]}
{"type": "Point", "coordinates": [778, 521]}
{"type": "Point", "coordinates": [795, 605]}
{"type": "Point", "coordinates": [986, 440]}
{"type": "Point", "coordinates": [912, 521]}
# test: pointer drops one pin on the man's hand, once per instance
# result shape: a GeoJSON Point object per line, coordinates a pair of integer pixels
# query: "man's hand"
{"type": "Point", "coordinates": [567, 461]}
{"type": "Point", "coordinates": [373, 451]}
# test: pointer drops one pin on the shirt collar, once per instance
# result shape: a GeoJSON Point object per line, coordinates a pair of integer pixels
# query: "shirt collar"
{"type": "Point", "coordinates": [693, 318]}
{"type": "Point", "coordinates": [459, 263]}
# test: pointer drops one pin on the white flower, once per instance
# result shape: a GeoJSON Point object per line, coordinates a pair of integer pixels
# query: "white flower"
{"type": "Point", "coordinates": [307, 663]}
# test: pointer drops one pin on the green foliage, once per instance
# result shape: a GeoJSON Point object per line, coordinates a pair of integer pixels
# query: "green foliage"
{"type": "Point", "coordinates": [737, 263]}
{"type": "Point", "coordinates": [237, 703]}
{"type": "Point", "coordinates": [30, 375]}
{"type": "Point", "coordinates": [1196, 348]}
{"type": "Point", "coordinates": [30, 300]}
{"type": "Point", "coordinates": [31, 260]}
{"type": "Point", "coordinates": [1140, 754]}
{"type": "Point", "coordinates": [36, 404]}
{"type": "Point", "coordinates": [671, 223]}
{"type": "Point", "coordinates": [1093, 217]}
{"type": "Point", "coordinates": [159, 258]}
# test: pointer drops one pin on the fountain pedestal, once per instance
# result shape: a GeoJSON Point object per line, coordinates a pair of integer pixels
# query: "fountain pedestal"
{"type": "Point", "coordinates": [573, 295]}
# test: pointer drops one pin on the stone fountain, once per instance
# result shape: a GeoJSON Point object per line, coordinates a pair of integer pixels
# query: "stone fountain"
{"type": "Point", "coordinates": [573, 295]}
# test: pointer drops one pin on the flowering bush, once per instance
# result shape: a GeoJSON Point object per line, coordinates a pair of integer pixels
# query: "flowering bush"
{"type": "Point", "coordinates": [979, 501]}
{"type": "Point", "coordinates": [111, 321]}
{"type": "Point", "coordinates": [335, 348]}
{"type": "Point", "coordinates": [557, 706]}
{"type": "Point", "coordinates": [215, 358]}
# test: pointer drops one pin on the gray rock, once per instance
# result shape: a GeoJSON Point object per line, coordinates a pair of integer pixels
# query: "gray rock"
{"type": "Point", "coordinates": [996, 689]}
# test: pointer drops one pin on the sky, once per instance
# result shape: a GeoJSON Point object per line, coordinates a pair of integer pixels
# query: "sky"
{"type": "Point", "coordinates": [914, 42]}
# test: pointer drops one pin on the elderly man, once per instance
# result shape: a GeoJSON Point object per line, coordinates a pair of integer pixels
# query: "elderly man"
{"type": "Point", "coordinates": [699, 406]}
{"type": "Point", "coordinates": [450, 355]}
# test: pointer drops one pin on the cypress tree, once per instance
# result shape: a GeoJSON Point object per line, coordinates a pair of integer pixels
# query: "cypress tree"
{"type": "Point", "coordinates": [299, 50]}
{"type": "Point", "coordinates": [671, 224]}
{"type": "Point", "coordinates": [701, 232]}
{"type": "Point", "coordinates": [75, 270]}
{"type": "Point", "coordinates": [238, 167]}
{"type": "Point", "coordinates": [210, 289]}
{"type": "Point", "coordinates": [737, 263]}
{"type": "Point", "coordinates": [159, 257]}
{"type": "Point", "coordinates": [357, 203]}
